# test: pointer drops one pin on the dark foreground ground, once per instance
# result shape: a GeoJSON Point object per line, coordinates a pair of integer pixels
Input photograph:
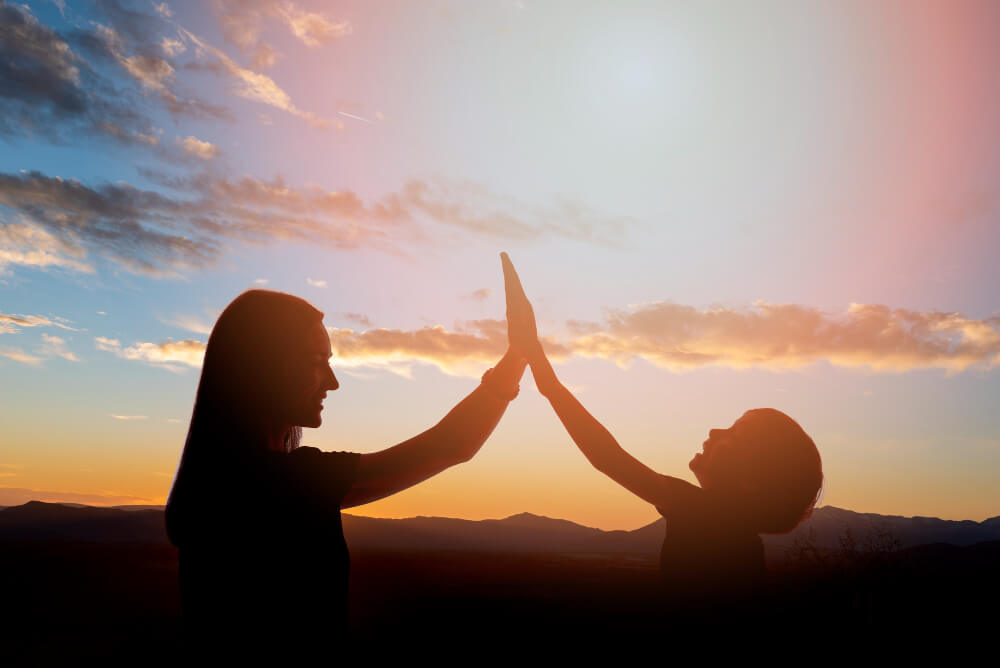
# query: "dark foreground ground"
{"type": "Point", "coordinates": [64, 602]}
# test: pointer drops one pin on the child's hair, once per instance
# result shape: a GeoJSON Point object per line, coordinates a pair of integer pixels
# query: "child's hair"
{"type": "Point", "coordinates": [779, 470]}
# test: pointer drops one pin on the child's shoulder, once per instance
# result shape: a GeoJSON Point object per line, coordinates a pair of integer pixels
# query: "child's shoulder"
{"type": "Point", "coordinates": [694, 503]}
{"type": "Point", "coordinates": [680, 495]}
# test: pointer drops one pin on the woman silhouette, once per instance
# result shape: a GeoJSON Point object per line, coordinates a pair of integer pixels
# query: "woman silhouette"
{"type": "Point", "coordinates": [256, 516]}
{"type": "Point", "coordinates": [761, 475]}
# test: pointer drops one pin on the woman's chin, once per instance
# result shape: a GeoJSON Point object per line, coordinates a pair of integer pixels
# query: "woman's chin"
{"type": "Point", "coordinates": [311, 422]}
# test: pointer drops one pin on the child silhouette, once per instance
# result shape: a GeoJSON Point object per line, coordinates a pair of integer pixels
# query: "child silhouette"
{"type": "Point", "coordinates": [761, 475]}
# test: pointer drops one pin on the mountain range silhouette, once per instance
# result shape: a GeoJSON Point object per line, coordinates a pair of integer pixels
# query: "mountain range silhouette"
{"type": "Point", "coordinates": [524, 532]}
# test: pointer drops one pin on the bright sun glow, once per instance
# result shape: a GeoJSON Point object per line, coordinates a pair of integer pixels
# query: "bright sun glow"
{"type": "Point", "coordinates": [637, 79]}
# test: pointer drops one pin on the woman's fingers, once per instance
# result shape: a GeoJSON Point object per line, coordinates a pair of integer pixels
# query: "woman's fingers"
{"type": "Point", "coordinates": [511, 282]}
{"type": "Point", "coordinates": [520, 315]}
{"type": "Point", "coordinates": [517, 302]}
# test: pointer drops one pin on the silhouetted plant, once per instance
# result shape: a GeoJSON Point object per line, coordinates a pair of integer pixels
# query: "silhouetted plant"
{"type": "Point", "coordinates": [878, 546]}
{"type": "Point", "coordinates": [806, 552]}
{"type": "Point", "coordinates": [869, 567]}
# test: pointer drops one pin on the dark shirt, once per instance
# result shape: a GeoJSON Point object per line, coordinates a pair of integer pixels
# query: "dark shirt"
{"type": "Point", "coordinates": [712, 558]}
{"type": "Point", "coordinates": [263, 550]}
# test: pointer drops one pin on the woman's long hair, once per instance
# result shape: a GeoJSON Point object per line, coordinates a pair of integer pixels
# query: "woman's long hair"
{"type": "Point", "coordinates": [240, 399]}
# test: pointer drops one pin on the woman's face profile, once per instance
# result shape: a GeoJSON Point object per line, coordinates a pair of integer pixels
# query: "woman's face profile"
{"type": "Point", "coordinates": [310, 378]}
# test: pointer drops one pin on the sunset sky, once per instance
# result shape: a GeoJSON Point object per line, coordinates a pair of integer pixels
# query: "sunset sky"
{"type": "Point", "coordinates": [713, 206]}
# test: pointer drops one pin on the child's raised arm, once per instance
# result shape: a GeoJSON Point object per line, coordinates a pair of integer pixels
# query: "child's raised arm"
{"type": "Point", "coordinates": [595, 442]}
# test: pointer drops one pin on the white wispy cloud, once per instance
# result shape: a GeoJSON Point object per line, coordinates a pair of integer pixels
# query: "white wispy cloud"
{"type": "Point", "coordinates": [191, 323]}
{"type": "Point", "coordinates": [29, 245]}
{"type": "Point", "coordinates": [166, 354]}
{"type": "Point", "coordinates": [672, 336]}
{"type": "Point", "coordinates": [788, 336]}
{"type": "Point", "coordinates": [479, 295]}
{"type": "Point", "coordinates": [172, 47]}
{"type": "Point", "coordinates": [106, 344]}
{"type": "Point", "coordinates": [11, 323]}
{"type": "Point", "coordinates": [167, 235]}
{"type": "Point", "coordinates": [151, 71]}
{"type": "Point", "coordinates": [254, 85]}
{"type": "Point", "coordinates": [55, 346]}
{"type": "Point", "coordinates": [243, 22]}
{"type": "Point", "coordinates": [312, 28]}
{"type": "Point", "coordinates": [19, 355]}
{"type": "Point", "coordinates": [197, 148]}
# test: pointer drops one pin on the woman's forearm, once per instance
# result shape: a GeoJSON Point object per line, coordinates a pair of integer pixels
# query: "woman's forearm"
{"type": "Point", "coordinates": [462, 432]}
{"type": "Point", "coordinates": [456, 438]}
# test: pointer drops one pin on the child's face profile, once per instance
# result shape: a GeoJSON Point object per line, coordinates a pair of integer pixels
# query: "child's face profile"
{"type": "Point", "coordinates": [710, 466]}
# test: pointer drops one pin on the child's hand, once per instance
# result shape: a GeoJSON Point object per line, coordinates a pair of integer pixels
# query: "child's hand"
{"type": "Point", "coordinates": [522, 334]}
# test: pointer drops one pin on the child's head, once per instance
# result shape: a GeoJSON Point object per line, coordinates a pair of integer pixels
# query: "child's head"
{"type": "Point", "coordinates": [765, 463]}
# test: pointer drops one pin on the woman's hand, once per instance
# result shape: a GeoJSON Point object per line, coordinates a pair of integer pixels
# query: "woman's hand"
{"type": "Point", "coordinates": [522, 334]}
{"type": "Point", "coordinates": [459, 435]}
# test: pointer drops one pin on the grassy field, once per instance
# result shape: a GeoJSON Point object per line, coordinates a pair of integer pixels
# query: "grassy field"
{"type": "Point", "coordinates": [67, 601]}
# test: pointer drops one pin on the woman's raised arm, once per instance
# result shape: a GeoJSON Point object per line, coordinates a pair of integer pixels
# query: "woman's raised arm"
{"type": "Point", "coordinates": [453, 440]}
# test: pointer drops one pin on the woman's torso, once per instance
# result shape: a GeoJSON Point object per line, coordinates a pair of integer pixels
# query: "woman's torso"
{"type": "Point", "coordinates": [261, 543]}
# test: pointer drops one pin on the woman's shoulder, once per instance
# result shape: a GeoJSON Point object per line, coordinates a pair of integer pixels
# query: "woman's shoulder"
{"type": "Point", "coordinates": [308, 456]}
{"type": "Point", "coordinates": [328, 471]}
{"type": "Point", "coordinates": [308, 451]}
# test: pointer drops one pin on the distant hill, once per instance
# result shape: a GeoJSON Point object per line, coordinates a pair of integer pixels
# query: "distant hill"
{"type": "Point", "coordinates": [524, 532]}
{"type": "Point", "coordinates": [133, 506]}
{"type": "Point", "coordinates": [519, 533]}
{"type": "Point", "coordinates": [829, 524]}
{"type": "Point", "coordinates": [36, 520]}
